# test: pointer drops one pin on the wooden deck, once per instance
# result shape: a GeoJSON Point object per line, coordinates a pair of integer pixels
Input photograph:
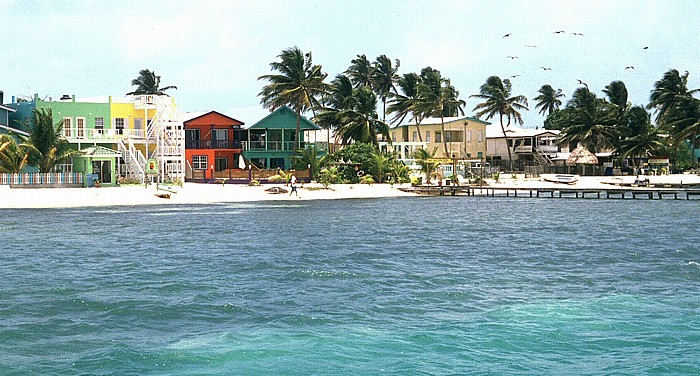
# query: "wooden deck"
{"type": "Point", "coordinates": [616, 192]}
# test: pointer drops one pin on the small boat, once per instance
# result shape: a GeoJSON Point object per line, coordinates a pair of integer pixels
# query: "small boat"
{"type": "Point", "coordinates": [560, 178]}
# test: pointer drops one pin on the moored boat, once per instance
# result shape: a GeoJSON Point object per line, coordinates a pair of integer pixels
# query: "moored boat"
{"type": "Point", "coordinates": [560, 178]}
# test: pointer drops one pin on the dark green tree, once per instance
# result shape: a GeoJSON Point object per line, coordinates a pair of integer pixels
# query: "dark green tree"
{"type": "Point", "coordinates": [148, 83]}
{"type": "Point", "coordinates": [45, 143]}
{"type": "Point", "coordinates": [549, 99]}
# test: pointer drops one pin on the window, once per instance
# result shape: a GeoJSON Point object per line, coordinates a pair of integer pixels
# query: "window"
{"type": "Point", "coordinates": [415, 136]}
{"type": "Point", "coordinates": [68, 127]}
{"type": "Point", "coordinates": [199, 162]}
{"type": "Point", "coordinates": [80, 124]}
{"type": "Point", "coordinates": [480, 136]}
{"type": "Point", "coordinates": [453, 136]}
{"type": "Point", "coordinates": [99, 124]}
{"type": "Point", "coordinates": [469, 135]}
{"type": "Point", "coordinates": [220, 134]}
{"type": "Point", "coordinates": [138, 123]}
{"type": "Point", "coordinates": [438, 136]}
{"type": "Point", "coordinates": [119, 125]}
{"type": "Point", "coordinates": [427, 136]}
{"type": "Point", "coordinates": [393, 136]}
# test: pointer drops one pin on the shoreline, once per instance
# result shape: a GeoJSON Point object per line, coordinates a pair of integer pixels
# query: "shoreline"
{"type": "Point", "coordinates": [198, 193]}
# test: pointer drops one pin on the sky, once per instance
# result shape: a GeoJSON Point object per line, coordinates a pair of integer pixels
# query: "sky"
{"type": "Point", "coordinates": [214, 51]}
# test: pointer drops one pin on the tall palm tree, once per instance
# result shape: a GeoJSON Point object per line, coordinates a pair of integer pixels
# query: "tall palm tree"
{"type": "Point", "coordinates": [384, 78]}
{"type": "Point", "coordinates": [426, 160]}
{"type": "Point", "coordinates": [437, 97]}
{"type": "Point", "coordinates": [498, 99]}
{"type": "Point", "coordinates": [590, 121]}
{"type": "Point", "coordinates": [46, 144]}
{"type": "Point", "coordinates": [404, 103]}
{"type": "Point", "coordinates": [148, 83]}
{"type": "Point", "coordinates": [339, 98]}
{"type": "Point", "coordinates": [645, 138]}
{"type": "Point", "coordinates": [361, 123]}
{"type": "Point", "coordinates": [298, 85]}
{"type": "Point", "coordinates": [668, 93]}
{"type": "Point", "coordinates": [549, 99]}
{"type": "Point", "coordinates": [361, 71]}
{"type": "Point", "coordinates": [13, 156]}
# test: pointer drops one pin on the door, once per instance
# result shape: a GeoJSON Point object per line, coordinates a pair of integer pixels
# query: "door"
{"type": "Point", "coordinates": [103, 170]}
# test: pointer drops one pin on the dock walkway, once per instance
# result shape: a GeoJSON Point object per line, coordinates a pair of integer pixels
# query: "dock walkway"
{"type": "Point", "coordinates": [619, 192]}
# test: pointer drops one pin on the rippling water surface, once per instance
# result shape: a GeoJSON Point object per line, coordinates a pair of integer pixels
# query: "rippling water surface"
{"type": "Point", "coordinates": [391, 286]}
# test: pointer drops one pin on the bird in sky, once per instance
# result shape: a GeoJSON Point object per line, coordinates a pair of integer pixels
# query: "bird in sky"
{"type": "Point", "coordinates": [583, 83]}
{"type": "Point", "coordinates": [559, 32]}
{"type": "Point", "coordinates": [581, 34]}
{"type": "Point", "coordinates": [645, 48]}
{"type": "Point", "coordinates": [515, 75]}
{"type": "Point", "coordinates": [530, 45]}
{"type": "Point", "coordinates": [513, 57]}
{"type": "Point", "coordinates": [507, 35]}
{"type": "Point", "coordinates": [545, 68]}
{"type": "Point", "coordinates": [629, 67]}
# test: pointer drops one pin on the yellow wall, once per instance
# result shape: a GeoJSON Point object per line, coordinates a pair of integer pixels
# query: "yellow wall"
{"type": "Point", "coordinates": [459, 149]}
{"type": "Point", "coordinates": [127, 111]}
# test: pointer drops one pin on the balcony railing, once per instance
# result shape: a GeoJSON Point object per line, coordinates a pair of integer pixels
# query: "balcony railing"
{"type": "Point", "coordinates": [213, 144]}
{"type": "Point", "coordinates": [275, 145]}
{"type": "Point", "coordinates": [75, 134]}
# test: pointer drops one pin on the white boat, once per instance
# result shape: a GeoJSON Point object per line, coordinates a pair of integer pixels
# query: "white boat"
{"type": "Point", "coordinates": [560, 178]}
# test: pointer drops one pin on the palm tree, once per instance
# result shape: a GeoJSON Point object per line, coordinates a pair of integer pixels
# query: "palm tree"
{"type": "Point", "coordinates": [589, 121]}
{"type": "Point", "coordinates": [668, 93]}
{"type": "Point", "coordinates": [13, 157]}
{"type": "Point", "coordinates": [148, 83]}
{"type": "Point", "coordinates": [298, 85]}
{"type": "Point", "coordinates": [437, 98]}
{"type": "Point", "coordinates": [339, 98]}
{"type": "Point", "coordinates": [426, 161]}
{"type": "Point", "coordinates": [645, 138]}
{"type": "Point", "coordinates": [549, 99]}
{"type": "Point", "coordinates": [384, 78]}
{"type": "Point", "coordinates": [404, 103]}
{"type": "Point", "coordinates": [360, 123]}
{"type": "Point", "coordinates": [46, 145]}
{"type": "Point", "coordinates": [361, 71]}
{"type": "Point", "coordinates": [498, 100]}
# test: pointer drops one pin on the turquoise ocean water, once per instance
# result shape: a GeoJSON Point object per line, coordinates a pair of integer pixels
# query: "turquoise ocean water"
{"type": "Point", "coordinates": [427, 286]}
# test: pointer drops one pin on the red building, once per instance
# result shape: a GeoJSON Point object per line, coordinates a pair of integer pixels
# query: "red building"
{"type": "Point", "coordinates": [213, 145]}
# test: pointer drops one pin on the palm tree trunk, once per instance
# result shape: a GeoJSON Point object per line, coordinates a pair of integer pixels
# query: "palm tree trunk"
{"type": "Point", "coordinates": [298, 130]}
{"type": "Point", "coordinates": [444, 139]}
{"type": "Point", "coordinates": [505, 135]}
{"type": "Point", "coordinates": [420, 136]}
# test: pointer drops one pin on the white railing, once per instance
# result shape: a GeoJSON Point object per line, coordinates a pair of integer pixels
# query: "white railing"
{"type": "Point", "coordinates": [75, 135]}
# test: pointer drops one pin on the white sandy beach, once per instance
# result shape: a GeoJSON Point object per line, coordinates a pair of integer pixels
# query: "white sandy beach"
{"type": "Point", "coordinates": [192, 193]}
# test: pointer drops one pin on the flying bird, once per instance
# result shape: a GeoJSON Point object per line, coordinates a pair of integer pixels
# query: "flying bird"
{"type": "Point", "coordinates": [545, 68]}
{"type": "Point", "coordinates": [513, 57]}
{"type": "Point", "coordinates": [515, 75]}
{"type": "Point", "coordinates": [645, 48]}
{"type": "Point", "coordinates": [581, 34]}
{"type": "Point", "coordinates": [507, 35]}
{"type": "Point", "coordinates": [530, 45]}
{"type": "Point", "coordinates": [559, 32]}
{"type": "Point", "coordinates": [583, 83]}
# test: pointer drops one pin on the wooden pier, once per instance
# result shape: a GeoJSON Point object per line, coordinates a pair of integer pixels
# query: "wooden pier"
{"type": "Point", "coordinates": [614, 192]}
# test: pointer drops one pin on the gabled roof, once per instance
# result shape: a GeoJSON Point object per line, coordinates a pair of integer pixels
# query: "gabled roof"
{"type": "Point", "coordinates": [194, 117]}
{"type": "Point", "coordinates": [284, 118]}
{"type": "Point", "coordinates": [100, 151]}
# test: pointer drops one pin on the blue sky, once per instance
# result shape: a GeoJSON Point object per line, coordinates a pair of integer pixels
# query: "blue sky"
{"type": "Point", "coordinates": [214, 51]}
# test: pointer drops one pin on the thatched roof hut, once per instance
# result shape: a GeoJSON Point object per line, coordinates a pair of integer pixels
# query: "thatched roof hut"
{"type": "Point", "coordinates": [581, 155]}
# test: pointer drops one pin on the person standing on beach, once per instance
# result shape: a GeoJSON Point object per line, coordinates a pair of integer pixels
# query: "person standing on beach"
{"type": "Point", "coordinates": [293, 184]}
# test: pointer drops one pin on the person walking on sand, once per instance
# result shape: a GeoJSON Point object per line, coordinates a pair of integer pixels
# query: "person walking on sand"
{"type": "Point", "coordinates": [293, 184]}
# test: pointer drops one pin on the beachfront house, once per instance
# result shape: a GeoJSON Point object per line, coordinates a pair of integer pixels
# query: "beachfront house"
{"type": "Point", "coordinates": [271, 141]}
{"type": "Point", "coordinates": [526, 145]}
{"type": "Point", "coordinates": [213, 145]}
{"type": "Point", "coordinates": [463, 136]}
{"type": "Point", "coordinates": [135, 129]}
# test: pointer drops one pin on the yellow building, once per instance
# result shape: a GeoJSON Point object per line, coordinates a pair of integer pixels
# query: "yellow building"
{"type": "Point", "coordinates": [463, 137]}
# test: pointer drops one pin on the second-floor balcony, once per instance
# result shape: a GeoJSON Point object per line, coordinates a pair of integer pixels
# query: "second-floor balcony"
{"type": "Point", "coordinates": [77, 134]}
{"type": "Point", "coordinates": [214, 144]}
{"type": "Point", "coordinates": [275, 145]}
